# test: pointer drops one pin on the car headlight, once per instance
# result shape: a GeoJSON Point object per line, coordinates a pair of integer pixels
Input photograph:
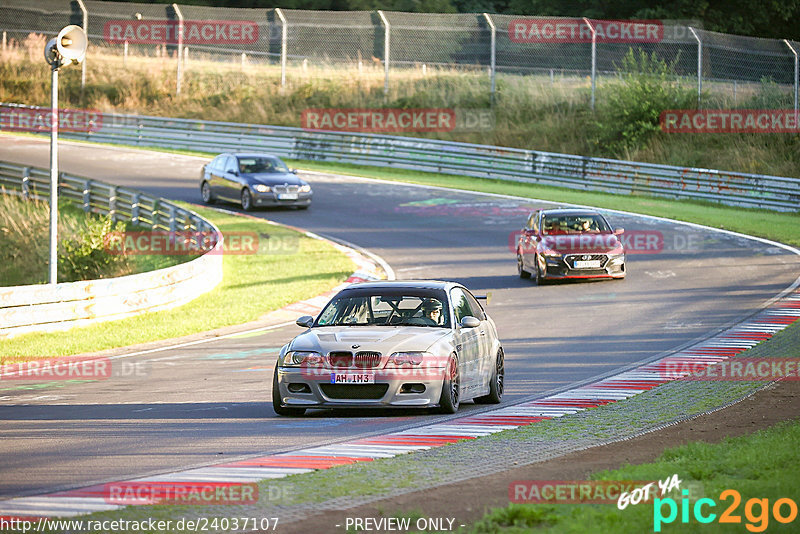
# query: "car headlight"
{"type": "Point", "coordinates": [550, 253]}
{"type": "Point", "coordinates": [305, 188]}
{"type": "Point", "coordinates": [261, 188]}
{"type": "Point", "coordinates": [296, 358]}
{"type": "Point", "coordinates": [408, 358]}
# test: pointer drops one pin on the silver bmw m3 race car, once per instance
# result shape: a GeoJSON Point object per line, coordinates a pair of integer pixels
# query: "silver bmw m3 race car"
{"type": "Point", "coordinates": [420, 344]}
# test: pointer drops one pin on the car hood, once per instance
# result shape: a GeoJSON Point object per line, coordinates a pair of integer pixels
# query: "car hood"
{"type": "Point", "coordinates": [386, 339]}
{"type": "Point", "coordinates": [601, 243]}
{"type": "Point", "coordinates": [274, 178]}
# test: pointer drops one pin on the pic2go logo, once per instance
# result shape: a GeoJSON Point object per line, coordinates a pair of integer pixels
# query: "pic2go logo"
{"type": "Point", "coordinates": [756, 511]}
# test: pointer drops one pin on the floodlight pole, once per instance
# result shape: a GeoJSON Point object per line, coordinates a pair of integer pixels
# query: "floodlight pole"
{"type": "Point", "coordinates": [53, 278]}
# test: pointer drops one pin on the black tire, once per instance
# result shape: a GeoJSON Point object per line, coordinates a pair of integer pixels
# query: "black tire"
{"type": "Point", "coordinates": [497, 385]}
{"type": "Point", "coordinates": [279, 408]}
{"type": "Point", "coordinates": [206, 194]}
{"type": "Point", "coordinates": [520, 270]}
{"type": "Point", "coordinates": [450, 399]}
{"type": "Point", "coordinates": [247, 200]}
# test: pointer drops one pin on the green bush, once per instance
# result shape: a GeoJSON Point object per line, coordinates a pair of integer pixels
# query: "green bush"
{"type": "Point", "coordinates": [628, 112]}
{"type": "Point", "coordinates": [85, 256]}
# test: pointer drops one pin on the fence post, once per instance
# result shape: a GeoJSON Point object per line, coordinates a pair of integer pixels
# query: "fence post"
{"type": "Point", "coordinates": [180, 46]}
{"type": "Point", "coordinates": [85, 20]}
{"type": "Point", "coordinates": [386, 40]}
{"type": "Point", "coordinates": [284, 39]}
{"type": "Point", "coordinates": [594, 57]}
{"type": "Point", "coordinates": [493, 52]}
{"type": "Point", "coordinates": [796, 80]}
{"type": "Point", "coordinates": [699, 65]}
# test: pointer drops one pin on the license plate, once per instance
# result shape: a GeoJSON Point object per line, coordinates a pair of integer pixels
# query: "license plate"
{"type": "Point", "coordinates": [352, 378]}
{"type": "Point", "coordinates": [287, 196]}
{"type": "Point", "coordinates": [589, 264]}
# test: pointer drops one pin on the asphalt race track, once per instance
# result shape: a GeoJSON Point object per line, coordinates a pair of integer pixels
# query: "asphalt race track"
{"type": "Point", "coordinates": [210, 403]}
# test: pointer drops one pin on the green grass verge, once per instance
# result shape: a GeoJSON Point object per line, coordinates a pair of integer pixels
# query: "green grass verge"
{"type": "Point", "coordinates": [737, 463]}
{"type": "Point", "coordinates": [297, 268]}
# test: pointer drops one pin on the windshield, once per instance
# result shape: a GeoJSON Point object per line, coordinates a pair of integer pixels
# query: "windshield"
{"type": "Point", "coordinates": [574, 224]}
{"type": "Point", "coordinates": [258, 164]}
{"type": "Point", "coordinates": [386, 309]}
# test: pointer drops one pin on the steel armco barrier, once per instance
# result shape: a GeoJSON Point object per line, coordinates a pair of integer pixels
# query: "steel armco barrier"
{"type": "Point", "coordinates": [562, 170]}
{"type": "Point", "coordinates": [46, 307]}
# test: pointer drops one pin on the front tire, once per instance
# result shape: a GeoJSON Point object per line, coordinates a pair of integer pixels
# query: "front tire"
{"type": "Point", "coordinates": [247, 200]}
{"type": "Point", "coordinates": [497, 385]}
{"type": "Point", "coordinates": [450, 399]}
{"type": "Point", "coordinates": [279, 408]}
{"type": "Point", "coordinates": [205, 192]}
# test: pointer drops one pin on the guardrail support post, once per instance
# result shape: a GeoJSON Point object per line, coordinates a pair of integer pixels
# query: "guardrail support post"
{"type": "Point", "coordinates": [87, 195]}
{"type": "Point", "coordinates": [386, 41]}
{"type": "Point", "coordinates": [284, 39]}
{"type": "Point", "coordinates": [112, 202]}
{"type": "Point", "coordinates": [699, 65]}
{"type": "Point", "coordinates": [135, 208]}
{"type": "Point", "coordinates": [594, 58]}
{"type": "Point", "coordinates": [493, 52]}
{"type": "Point", "coordinates": [172, 219]}
{"type": "Point", "coordinates": [26, 183]}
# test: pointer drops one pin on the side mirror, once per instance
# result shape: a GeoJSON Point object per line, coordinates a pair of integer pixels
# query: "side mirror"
{"type": "Point", "coordinates": [470, 322]}
{"type": "Point", "coordinates": [305, 321]}
{"type": "Point", "coordinates": [293, 171]}
{"type": "Point", "coordinates": [619, 231]}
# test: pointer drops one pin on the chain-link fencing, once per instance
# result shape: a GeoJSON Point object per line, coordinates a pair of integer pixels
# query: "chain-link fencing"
{"type": "Point", "coordinates": [571, 55]}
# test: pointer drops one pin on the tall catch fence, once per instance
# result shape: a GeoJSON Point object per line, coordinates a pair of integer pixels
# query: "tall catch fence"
{"type": "Point", "coordinates": [572, 53]}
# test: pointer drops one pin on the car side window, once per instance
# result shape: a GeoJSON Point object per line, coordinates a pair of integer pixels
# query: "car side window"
{"type": "Point", "coordinates": [531, 221]}
{"type": "Point", "coordinates": [477, 310]}
{"type": "Point", "coordinates": [230, 164]}
{"type": "Point", "coordinates": [461, 307]}
{"type": "Point", "coordinates": [535, 222]}
{"type": "Point", "coordinates": [215, 164]}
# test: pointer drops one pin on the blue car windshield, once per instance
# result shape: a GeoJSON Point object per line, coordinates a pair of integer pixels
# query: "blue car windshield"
{"type": "Point", "coordinates": [259, 164]}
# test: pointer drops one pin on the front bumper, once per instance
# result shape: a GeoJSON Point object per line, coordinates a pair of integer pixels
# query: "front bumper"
{"type": "Point", "coordinates": [561, 267]}
{"type": "Point", "coordinates": [304, 388]}
{"type": "Point", "coordinates": [272, 199]}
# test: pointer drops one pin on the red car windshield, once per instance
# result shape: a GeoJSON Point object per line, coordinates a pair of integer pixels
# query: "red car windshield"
{"type": "Point", "coordinates": [573, 224]}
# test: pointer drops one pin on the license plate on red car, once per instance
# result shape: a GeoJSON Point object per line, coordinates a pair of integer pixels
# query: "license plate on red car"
{"type": "Point", "coordinates": [587, 264]}
{"type": "Point", "coordinates": [352, 378]}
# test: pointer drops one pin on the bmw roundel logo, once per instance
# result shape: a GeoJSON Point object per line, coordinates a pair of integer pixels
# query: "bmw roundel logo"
{"type": "Point", "coordinates": [356, 346]}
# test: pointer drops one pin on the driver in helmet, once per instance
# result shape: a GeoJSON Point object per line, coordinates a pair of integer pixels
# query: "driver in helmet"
{"type": "Point", "coordinates": [432, 312]}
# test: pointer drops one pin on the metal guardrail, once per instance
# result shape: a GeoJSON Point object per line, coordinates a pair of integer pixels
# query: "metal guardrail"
{"type": "Point", "coordinates": [45, 307]}
{"type": "Point", "coordinates": [545, 168]}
